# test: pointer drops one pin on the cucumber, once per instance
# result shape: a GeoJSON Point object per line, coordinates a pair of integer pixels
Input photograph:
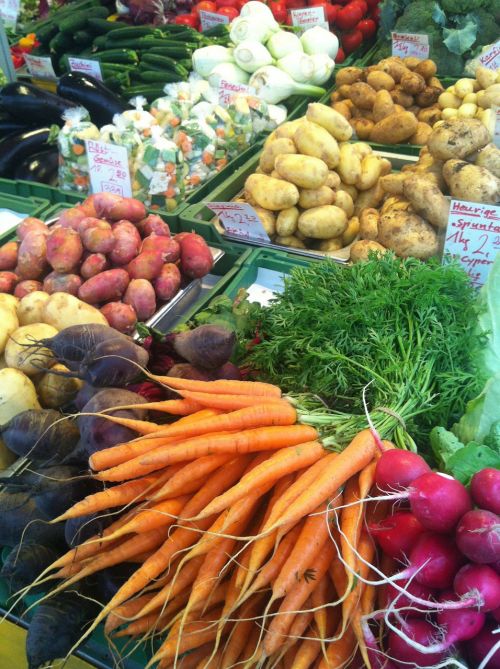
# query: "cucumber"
{"type": "Point", "coordinates": [60, 43]}
{"type": "Point", "coordinates": [70, 25]}
{"type": "Point", "coordinates": [96, 13]}
{"type": "Point", "coordinates": [99, 42]}
{"type": "Point", "coordinates": [155, 76]}
{"type": "Point", "coordinates": [46, 33]}
{"type": "Point", "coordinates": [165, 63]}
{"type": "Point", "coordinates": [83, 37]}
{"type": "Point", "coordinates": [132, 32]}
{"type": "Point", "coordinates": [113, 68]}
{"type": "Point", "coordinates": [149, 91]}
{"type": "Point", "coordinates": [118, 56]}
{"type": "Point", "coordinates": [102, 26]}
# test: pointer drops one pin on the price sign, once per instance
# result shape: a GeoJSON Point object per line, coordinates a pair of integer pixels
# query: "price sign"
{"type": "Point", "coordinates": [211, 19]}
{"type": "Point", "coordinates": [9, 10]}
{"type": "Point", "coordinates": [108, 168]}
{"type": "Point", "coordinates": [40, 67]}
{"type": "Point", "coordinates": [491, 57]}
{"type": "Point", "coordinates": [308, 17]}
{"type": "Point", "coordinates": [496, 130]}
{"type": "Point", "coordinates": [240, 220]}
{"type": "Point", "coordinates": [228, 90]}
{"type": "Point", "coordinates": [473, 234]}
{"type": "Point", "coordinates": [86, 66]}
{"type": "Point", "coordinates": [410, 44]}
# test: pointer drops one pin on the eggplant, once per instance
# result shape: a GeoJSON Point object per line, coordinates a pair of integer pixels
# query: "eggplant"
{"type": "Point", "coordinates": [87, 92]}
{"type": "Point", "coordinates": [32, 104]}
{"type": "Point", "coordinates": [16, 147]}
{"type": "Point", "coordinates": [41, 167]}
{"type": "Point", "coordinates": [9, 125]}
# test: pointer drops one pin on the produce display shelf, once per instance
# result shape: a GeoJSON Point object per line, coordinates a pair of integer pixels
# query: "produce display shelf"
{"type": "Point", "coordinates": [14, 207]}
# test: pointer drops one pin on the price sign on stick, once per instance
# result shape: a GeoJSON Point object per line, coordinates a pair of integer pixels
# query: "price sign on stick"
{"type": "Point", "coordinates": [308, 17]}
{"type": "Point", "coordinates": [240, 220]}
{"type": "Point", "coordinates": [491, 57]}
{"type": "Point", "coordinates": [473, 235]}
{"type": "Point", "coordinates": [40, 67]}
{"type": "Point", "coordinates": [211, 19]}
{"type": "Point", "coordinates": [86, 66]}
{"type": "Point", "coordinates": [410, 44]}
{"type": "Point", "coordinates": [228, 90]}
{"type": "Point", "coordinates": [108, 168]}
{"type": "Point", "coordinates": [9, 10]}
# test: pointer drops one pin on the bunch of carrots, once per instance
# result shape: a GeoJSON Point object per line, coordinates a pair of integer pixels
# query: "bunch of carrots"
{"type": "Point", "coordinates": [243, 529]}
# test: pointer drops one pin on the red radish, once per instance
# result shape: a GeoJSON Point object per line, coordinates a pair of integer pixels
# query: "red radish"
{"type": "Point", "coordinates": [377, 658]}
{"type": "Point", "coordinates": [396, 469]}
{"type": "Point", "coordinates": [460, 624]}
{"type": "Point", "coordinates": [403, 601]}
{"type": "Point", "coordinates": [402, 652]}
{"type": "Point", "coordinates": [496, 614]}
{"type": "Point", "coordinates": [438, 501]}
{"type": "Point", "coordinates": [482, 644]}
{"type": "Point", "coordinates": [434, 561]}
{"type": "Point", "coordinates": [485, 489]}
{"type": "Point", "coordinates": [478, 585]}
{"type": "Point", "coordinates": [396, 535]}
{"type": "Point", "coordinates": [478, 536]}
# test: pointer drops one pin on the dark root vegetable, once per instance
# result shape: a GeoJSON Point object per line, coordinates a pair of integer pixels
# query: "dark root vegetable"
{"type": "Point", "coordinates": [24, 563]}
{"type": "Point", "coordinates": [17, 510]}
{"type": "Point", "coordinates": [115, 362]}
{"type": "Point", "coordinates": [207, 346]}
{"type": "Point", "coordinates": [184, 370]}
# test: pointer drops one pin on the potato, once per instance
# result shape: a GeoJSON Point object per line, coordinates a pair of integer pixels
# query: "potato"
{"type": "Point", "coordinates": [348, 189]}
{"type": "Point", "coordinates": [370, 172]}
{"type": "Point", "coordinates": [360, 250]}
{"type": "Point", "coordinates": [32, 256]}
{"type": "Point", "coordinates": [8, 255]}
{"type": "Point", "coordinates": [286, 221]}
{"type": "Point", "coordinates": [270, 193]}
{"type": "Point", "coordinates": [407, 235]}
{"type": "Point", "coordinates": [333, 180]}
{"type": "Point", "coordinates": [330, 245]}
{"type": "Point", "coordinates": [342, 108]}
{"type": "Point", "coordinates": [146, 265]}
{"type": "Point", "coordinates": [362, 95]}
{"type": "Point", "coordinates": [426, 68]}
{"type": "Point", "coordinates": [394, 67]}
{"type": "Point", "coordinates": [153, 224]}
{"type": "Point", "coordinates": [383, 105]}
{"type": "Point", "coordinates": [10, 301]}
{"type": "Point", "coordinates": [168, 282]}
{"type": "Point", "coordinates": [412, 83]}
{"type": "Point", "coordinates": [279, 146]}
{"type": "Point", "coordinates": [485, 77]}
{"type": "Point", "coordinates": [457, 138]}
{"type": "Point", "coordinates": [393, 183]}
{"type": "Point", "coordinates": [421, 135]}
{"type": "Point", "coordinates": [368, 224]}
{"type": "Point", "coordinates": [290, 240]}
{"type": "Point", "coordinates": [351, 232]}
{"type": "Point", "coordinates": [323, 222]}
{"type": "Point", "coordinates": [71, 218]}
{"type": "Point", "coordinates": [303, 171]}
{"type": "Point", "coordinates": [380, 81]}
{"type": "Point", "coordinates": [362, 127]}
{"type": "Point", "coordinates": [329, 119]}
{"type": "Point", "coordinates": [31, 224]}
{"type": "Point", "coordinates": [427, 200]}
{"type": "Point", "coordinates": [429, 116]}
{"type": "Point", "coordinates": [56, 391]}
{"type": "Point", "coordinates": [62, 283]}
{"type": "Point", "coordinates": [26, 287]}
{"type": "Point", "coordinates": [434, 82]}
{"type": "Point", "coordinates": [266, 217]}
{"type": "Point", "coordinates": [168, 247]}
{"type": "Point", "coordinates": [349, 75]}
{"type": "Point", "coordinates": [470, 182]}
{"type": "Point", "coordinates": [141, 296]}
{"type": "Point", "coordinates": [449, 101]}
{"type": "Point", "coordinates": [8, 324]}
{"type": "Point", "coordinates": [63, 310]}
{"type": "Point", "coordinates": [316, 198]}
{"type": "Point", "coordinates": [385, 166]}
{"type": "Point", "coordinates": [17, 394]}
{"type": "Point", "coordinates": [395, 202]}
{"type": "Point", "coordinates": [489, 158]}
{"type": "Point", "coordinates": [94, 263]}
{"type": "Point", "coordinates": [490, 97]}
{"type": "Point", "coordinates": [127, 243]}
{"type": "Point", "coordinates": [120, 316]}
{"type": "Point", "coordinates": [463, 87]}
{"type": "Point", "coordinates": [22, 352]}
{"type": "Point", "coordinates": [345, 202]}
{"type": "Point", "coordinates": [395, 128]}
{"type": "Point", "coordinates": [287, 129]}
{"type": "Point", "coordinates": [312, 139]}
{"type": "Point", "coordinates": [429, 96]}
{"type": "Point", "coordinates": [349, 167]}
{"type": "Point", "coordinates": [115, 207]}
{"type": "Point", "coordinates": [411, 62]}
{"type": "Point", "coordinates": [64, 249]}
{"type": "Point", "coordinates": [343, 91]}
{"type": "Point", "coordinates": [362, 149]}
{"type": "Point", "coordinates": [368, 198]}
{"type": "Point", "coordinates": [98, 238]}
{"type": "Point", "coordinates": [30, 308]}
{"type": "Point", "coordinates": [401, 97]}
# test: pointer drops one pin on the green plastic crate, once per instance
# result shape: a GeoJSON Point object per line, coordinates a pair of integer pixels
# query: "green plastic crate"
{"type": "Point", "coordinates": [12, 202]}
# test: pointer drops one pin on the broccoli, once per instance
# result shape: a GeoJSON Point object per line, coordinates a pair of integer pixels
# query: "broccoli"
{"type": "Point", "coordinates": [463, 6]}
{"type": "Point", "coordinates": [417, 17]}
{"type": "Point", "coordinates": [487, 29]}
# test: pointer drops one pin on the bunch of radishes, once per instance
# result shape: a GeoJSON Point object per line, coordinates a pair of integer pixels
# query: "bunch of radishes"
{"type": "Point", "coordinates": [447, 597]}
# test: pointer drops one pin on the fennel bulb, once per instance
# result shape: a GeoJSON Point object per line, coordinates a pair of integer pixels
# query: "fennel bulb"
{"type": "Point", "coordinates": [228, 71]}
{"type": "Point", "coordinates": [298, 65]}
{"type": "Point", "coordinates": [251, 55]}
{"type": "Point", "coordinates": [281, 43]}
{"type": "Point", "coordinates": [323, 68]}
{"type": "Point", "coordinates": [320, 40]}
{"type": "Point", "coordinates": [260, 10]}
{"type": "Point", "coordinates": [277, 113]}
{"type": "Point", "coordinates": [250, 28]}
{"type": "Point", "coordinates": [206, 58]}
{"type": "Point", "coordinates": [273, 85]}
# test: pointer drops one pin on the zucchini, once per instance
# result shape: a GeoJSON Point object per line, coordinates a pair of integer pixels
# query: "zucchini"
{"type": "Point", "coordinates": [99, 42]}
{"type": "Point", "coordinates": [102, 26]}
{"type": "Point", "coordinates": [61, 43]}
{"type": "Point", "coordinates": [46, 33]}
{"type": "Point", "coordinates": [77, 21]}
{"type": "Point", "coordinates": [133, 32]}
{"type": "Point", "coordinates": [158, 77]}
{"type": "Point", "coordinates": [118, 56]}
{"type": "Point", "coordinates": [164, 63]}
{"type": "Point", "coordinates": [96, 13]}
{"type": "Point", "coordinates": [149, 91]}
{"type": "Point", "coordinates": [220, 30]}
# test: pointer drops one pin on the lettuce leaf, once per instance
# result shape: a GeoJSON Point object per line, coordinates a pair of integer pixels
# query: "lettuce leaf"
{"type": "Point", "coordinates": [470, 459]}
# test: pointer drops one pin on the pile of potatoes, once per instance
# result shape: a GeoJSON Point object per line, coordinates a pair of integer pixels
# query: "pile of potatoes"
{"type": "Point", "coordinates": [392, 102]}
{"type": "Point", "coordinates": [473, 98]}
{"type": "Point", "coordinates": [410, 210]}
{"type": "Point", "coordinates": [311, 183]}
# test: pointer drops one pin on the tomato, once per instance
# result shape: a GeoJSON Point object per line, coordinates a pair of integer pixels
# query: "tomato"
{"type": "Point", "coordinates": [231, 12]}
{"type": "Point", "coordinates": [279, 11]}
{"type": "Point", "coordinates": [227, 3]}
{"type": "Point", "coordinates": [372, 3]}
{"type": "Point", "coordinates": [363, 5]}
{"type": "Point", "coordinates": [351, 40]}
{"type": "Point", "coordinates": [349, 16]}
{"type": "Point", "coordinates": [340, 57]}
{"type": "Point", "coordinates": [368, 27]}
{"type": "Point", "coordinates": [330, 10]}
{"type": "Point", "coordinates": [296, 4]}
{"type": "Point", "coordinates": [206, 6]}
{"type": "Point", "coordinates": [375, 14]}
{"type": "Point", "coordinates": [187, 20]}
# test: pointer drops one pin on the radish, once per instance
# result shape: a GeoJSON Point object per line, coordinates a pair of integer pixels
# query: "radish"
{"type": "Point", "coordinates": [402, 601]}
{"type": "Point", "coordinates": [396, 535]}
{"type": "Point", "coordinates": [438, 501]}
{"type": "Point", "coordinates": [478, 585]}
{"type": "Point", "coordinates": [482, 644]}
{"type": "Point", "coordinates": [404, 653]}
{"type": "Point", "coordinates": [459, 624]}
{"type": "Point", "coordinates": [396, 469]}
{"type": "Point", "coordinates": [478, 536]}
{"type": "Point", "coordinates": [496, 614]}
{"type": "Point", "coordinates": [434, 561]}
{"type": "Point", "coordinates": [485, 489]}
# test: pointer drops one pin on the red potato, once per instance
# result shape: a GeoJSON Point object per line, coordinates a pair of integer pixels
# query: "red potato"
{"type": "Point", "coordinates": [169, 247]}
{"type": "Point", "coordinates": [23, 288]}
{"type": "Point", "coordinates": [153, 224]}
{"type": "Point", "coordinates": [140, 294]}
{"type": "Point", "coordinates": [196, 258]}
{"type": "Point", "coordinates": [94, 263]}
{"type": "Point", "coordinates": [115, 208]}
{"type": "Point", "coordinates": [62, 283]}
{"type": "Point", "coordinates": [8, 281]}
{"type": "Point", "coordinates": [8, 255]}
{"type": "Point", "coordinates": [64, 249]}
{"type": "Point", "coordinates": [127, 243]}
{"type": "Point", "coordinates": [120, 316]}
{"type": "Point", "coordinates": [168, 282]}
{"type": "Point", "coordinates": [88, 222]}
{"type": "Point", "coordinates": [71, 218]}
{"type": "Point", "coordinates": [104, 287]}
{"type": "Point", "coordinates": [28, 225]}
{"type": "Point", "coordinates": [98, 238]}
{"type": "Point", "coordinates": [88, 206]}
{"type": "Point", "coordinates": [32, 256]}
{"type": "Point", "coordinates": [147, 265]}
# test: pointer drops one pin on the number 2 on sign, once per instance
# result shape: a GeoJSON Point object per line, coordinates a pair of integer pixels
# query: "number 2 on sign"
{"type": "Point", "coordinates": [485, 241]}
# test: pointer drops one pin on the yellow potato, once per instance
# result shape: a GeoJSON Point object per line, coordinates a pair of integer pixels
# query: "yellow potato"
{"type": "Point", "coordinates": [30, 309]}
{"type": "Point", "coordinates": [449, 101]}
{"type": "Point", "coordinates": [383, 105]}
{"type": "Point", "coordinates": [312, 139]}
{"type": "Point", "coordinates": [349, 167]}
{"type": "Point", "coordinates": [8, 300]}
{"type": "Point", "coordinates": [303, 171]}
{"type": "Point", "coordinates": [368, 224]}
{"type": "Point", "coordinates": [279, 146]}
{"type": "Point", "coordinates": [362, 95]}
{"type": "Point", "coordinates": [395, 128]}
{"type": "Point", "coordinates": [286, 221]}
{"type": "Point", "coordinates": [407, 235]}
{"type": "Point", "coordinates": [290, 240]}
{"type": "Point", "coordinates": [429, 96]}
{"type": "Point", "coordinates": [401, 97]}
{"type": "Point", "coordinates": [270, 193]}
{"type": "Point", "coordinates": [370, 172]}
{"type": "Point", "coordinates": [344, 201]}
{"type": "Point", "coordinates": [361, 250]}
{"type": "Point", "coordinates": [323, 222]}
{"type": "Point", "coordinates": [393, 183]}
{"type": "Point", "coordinates": [348, 75]}
{"type": "Point", "coordinates": [489, 157]}
{"type": "Point", "coordinates": [342, 108]}
{"type": "Point", "coordinates": [470, 182]}
{"type": "Point", "coordinates": [329, 119]}
{"type": "Point", "coordinates": [8, 324]}
{"type": "Point", "coordinates": [333, 180]}
{"type": "Point", "coordinates": [379, 81]}
{"type": "Point", "coordinates": [421, 134]}
{"type": "Point", "coordinates": [362, 149]}
{"type": "Point", "coordinates": [63, 310]}
{"type": "Point", "coordinates": [369, 198]}
{"type": "Point", "coordinates": [412, 83]}
{"type": "Point", "coordinates": [348, 189]}
{"type": "Point", "coordinates": [316, 198]}
{"type": "Point", "coordinates": [329, 245]}
{"type": "Point", "coordinates": [267, 219]}
{"type": "Point", "coordinates": [287, 129]}
{"type": "Point", "coordinates": [362, 127]}
{"type": "Point", "coordinates": [57, 391]}
{"type": "Point", "coordinates": [351, 232]}
{"type": "Point", "coordinates": [427, 200]}
{"type": "Point", "coordinates": [426, 68]}
{"type": "Point", "coordinates": [457, 138]}
{"type": "Point", "coordinates": [22, 353]}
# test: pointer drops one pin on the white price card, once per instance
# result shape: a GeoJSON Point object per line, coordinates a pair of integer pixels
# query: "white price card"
{"type": "Point", "coordinates": [473, 235]}
{"type": "Point", "coordinates": [240, 220]}
{"type": "Point", "coordinates": [9, 10]}
{"type": "Point", "coordinates": [211, 19]}
{"type": "Point", "coordinates": [309, 17]}
{"type": "Point", "coordinates": [108, 168]}
{"type": "Point", "coordinates": [40, 67]}
{"type": "Point", "coordinates": [227, 91]}
{"type": "Point", "coordinates": [496, 127]}
{"type": "Point", "coordinates": [86, 66]}
{"type": "Point", "coordinates": [410, 44]}
{"type": "Point", "coordinates": [491, 58]}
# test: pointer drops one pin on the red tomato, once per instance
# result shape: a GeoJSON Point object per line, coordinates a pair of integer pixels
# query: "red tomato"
{"type": "Point", "coordinates": [349, 16]}
{"type": "Point", "coordinates": [241, 3]}
{"type": "Point", "coordinates": [340, 57]}
{"type": "Point", "coordinates": [375, 14]}
{"type": "Point", "coordinates": [187, 20]}
{"type": "Point", "coordinates": [330, 10]}
{"type": "Point", "coordinates": [368, 27]}
{"type": "Point", "coordinates": [351, 40]}
{"type": "Point", "coordinates": [206, 6]}
{"type": "Point", "coordinates": [363, 5]}
{"type": "Point", "coordinates": [279, 11]}
{"type": "Point", "coordinates": [372, 3]}
{"type": "Point", "coordinates": [231, 12]}
{"type": "Point", "coordinates": [227, 3]}
{"type": "Point", "coordinates": [296, 4]}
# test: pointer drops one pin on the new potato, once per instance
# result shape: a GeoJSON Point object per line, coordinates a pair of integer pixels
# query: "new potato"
{"type": "Point", "coordinates": [8, 324]}
{"type": "Point", "coordinates": [275, 148]}
{"type": "Point", "coordinates": [323, 222]}
{"type": "Point", "coordinates": [56, 391]}
{"type": "Point", "coordinates": [63, 310]}
{"type": "Point", "coordinates": [457, 138]}
{"type": "Point", "coordinates": [286, 221]}
{"type": "Point", "coordinates": [407, 234]}
{"type": "Point", "coordinates": [349, 167]}
{"type": "Point", "coordinates": [30, 308]}
{"type": "Point", "coordinates": [303, 171]}
{"type": "Point", "coordinates": [270, 193]}
{"type": "Point", "coordinates": [470, 182]}
{"type": "Point", "coordinates": [312, 139]}
{"type": "Point", "coordinates": [316, 197]}
{"type": "Point", "coordinates": [17, 394]}
{"type": "Point", "coordinates": [22, 351]}
{"type": "Point", "coordinates": [331, 120]}
{"type": "Point", "coordinates": [395, 128]}
{"type": "Point", "coordinates": [427, 200]}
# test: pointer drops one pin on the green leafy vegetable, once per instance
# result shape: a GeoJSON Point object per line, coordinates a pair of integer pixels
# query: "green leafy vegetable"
{"type": "Point", "coordinates": [481, 413]}
{"type": "Point", "coordinates": [460, 39]}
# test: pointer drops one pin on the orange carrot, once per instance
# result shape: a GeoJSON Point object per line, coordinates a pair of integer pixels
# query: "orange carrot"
{"type": "Point", "coordinates": [350, 526]}
{"type": "Point", "coordinates": [173, 407]}
{"type": "Point", "coordinates": [320, 597]}
{"type": "Point", "coordinates": [339, 652]}
{"type": "Point", "coordinates": [226, 402]}
{"type": "Point", "coordinates": [239, 634]}
{"type": "Point", "coordinates": [125, 612]}
{"type": "Point", "coordinates": [222, 386]}
{"type": "Point", "coordinates": [307, 652]}
{"type": "Point", "coordinates": [141, 426]}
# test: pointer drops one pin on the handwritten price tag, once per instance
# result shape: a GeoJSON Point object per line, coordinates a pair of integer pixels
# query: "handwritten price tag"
{"type": "Point", "coordinates": [228, 90]}
{"type": "Point", "coordinates": [9, 10]}
{"type": "Point", "coordinates": [473, 234]}
{"type": "Point", "coordinates": [491, 58]}
{"type": "Point", "coordinates": [211, 19]}
{"type": "Point", "coordinates": [240, 220]}
{"type": "Point", "coordinates": [86, 66]}
{"type": "Point", "coordinates": [40, 67]}
{"type": "Point", "coordinates": [108, 168]}
{"type": "Point", "coordinates": [410, 44]}
{"type": "Point", "coordinates": [308, 17]}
